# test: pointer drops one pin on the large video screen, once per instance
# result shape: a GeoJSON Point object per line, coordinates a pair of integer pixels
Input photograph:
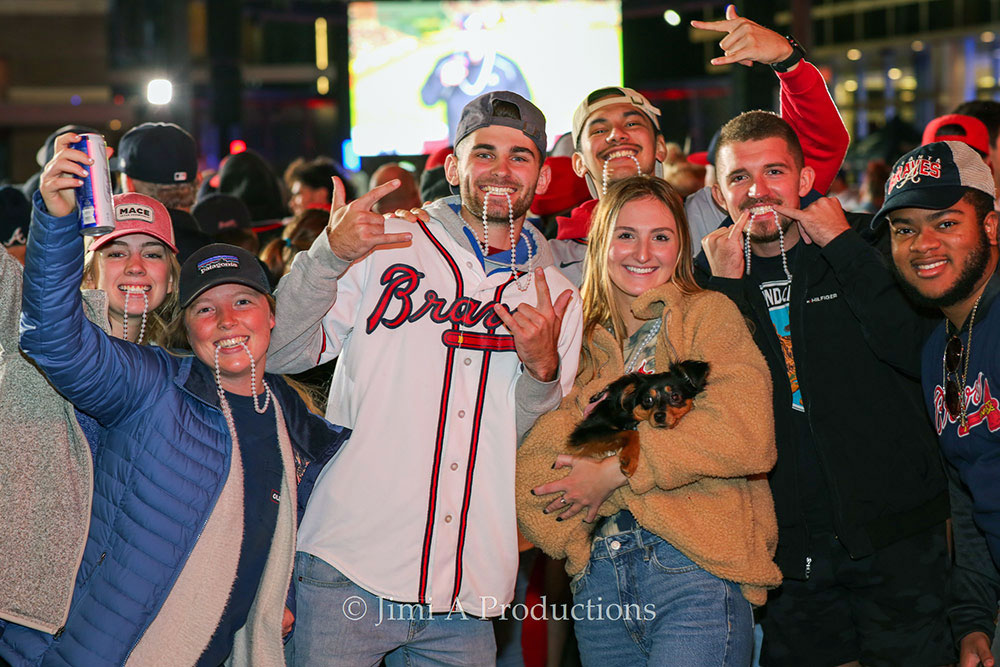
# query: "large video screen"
{"type": "Point", "coordinates": [414, 65]}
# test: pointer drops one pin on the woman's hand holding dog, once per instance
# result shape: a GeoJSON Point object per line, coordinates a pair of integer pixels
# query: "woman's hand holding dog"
{"type": "Point", "coordinates": [587, 486]}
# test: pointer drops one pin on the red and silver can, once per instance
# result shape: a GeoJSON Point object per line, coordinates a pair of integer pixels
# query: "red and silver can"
{"type": "Point", "coordinates": [93, 198]}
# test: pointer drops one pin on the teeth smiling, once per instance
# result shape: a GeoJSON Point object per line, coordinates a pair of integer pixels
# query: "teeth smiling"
{"type": "Point", "coordinates": [932, 265]}
{"type": "Point", "coordinates": [618, 154]}
{"type": "Point", "coordinates": [761, 210]}
{"type": "Point", "coordinates": [642, 270]}
{"type": "Point", "coordinates": [134, 289]}
{"type": "Point", "coordinates": [235, 341]}
{"type": "Point", "coordinates": [494, 190]}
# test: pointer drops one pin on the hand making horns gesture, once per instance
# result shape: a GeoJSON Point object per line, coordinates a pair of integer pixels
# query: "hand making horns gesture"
{"type": "Point", "coordinates": [746, 42]}
{"type": "Point", "coordinates": [536, 329]}
{"type": "Point", "coordinates": [354, 229]}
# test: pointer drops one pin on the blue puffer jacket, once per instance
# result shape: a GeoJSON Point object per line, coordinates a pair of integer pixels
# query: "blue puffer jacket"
{"type": "Point", "coordinates": [163, 457]}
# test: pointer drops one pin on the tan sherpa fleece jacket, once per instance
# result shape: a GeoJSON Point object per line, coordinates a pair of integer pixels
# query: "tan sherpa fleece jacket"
{"type": "Point", "coordinates": [702, 485]}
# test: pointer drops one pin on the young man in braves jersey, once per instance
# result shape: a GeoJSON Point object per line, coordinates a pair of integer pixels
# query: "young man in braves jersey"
{"type": "Point", "coordinates": [939, 203]}
{"type": "Point", "coordinates": [447, 355]}
{"type": "Point", "coordinates": [859, 493]}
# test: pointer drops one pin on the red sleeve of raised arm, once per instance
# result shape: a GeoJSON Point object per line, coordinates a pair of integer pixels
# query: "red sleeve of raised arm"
{"type": "Point", "coordinates": [807, 106]}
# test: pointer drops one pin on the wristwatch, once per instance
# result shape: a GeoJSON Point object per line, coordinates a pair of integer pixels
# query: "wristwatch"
{"type": "Point", "coordinates": [798, 53]}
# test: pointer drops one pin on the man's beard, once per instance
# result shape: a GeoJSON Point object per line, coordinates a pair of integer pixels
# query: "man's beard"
{"type": "Point", "coordinates": [972, 270]}
{"type": "Point", "coordinates": [771, 235]}
{"type": "Point", "coordinates": [473, 202]}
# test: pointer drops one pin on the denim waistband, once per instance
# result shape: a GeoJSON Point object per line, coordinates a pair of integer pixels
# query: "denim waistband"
{"type": "Point", "coordinates": [618, 544]}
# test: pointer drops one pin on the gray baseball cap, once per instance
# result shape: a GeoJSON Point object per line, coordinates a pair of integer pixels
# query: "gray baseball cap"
{"type": "Point", "coordinates": [481, 112]}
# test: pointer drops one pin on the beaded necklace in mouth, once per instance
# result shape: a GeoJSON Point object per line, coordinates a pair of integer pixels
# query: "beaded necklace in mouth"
{"type": "Point", "coordinates": [253, 387]}
{"type": "Point", "coordinates": [781, 247]}
{"type": "Point", "coordinates": [604, 173]}
{"type": "Point", "coordinates": [484, 245]}
{"type": "Point", "coordinates": [142, 326]}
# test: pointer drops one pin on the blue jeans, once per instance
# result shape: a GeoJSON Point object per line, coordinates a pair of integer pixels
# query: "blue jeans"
{"type": "Point", "coordinates": [640, 601]}
{"type": "Point", "coordinates": [340, 623]}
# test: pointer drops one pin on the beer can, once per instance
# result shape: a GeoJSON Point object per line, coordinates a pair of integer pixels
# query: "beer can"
{"type": "Point", "coordinates": [93, 198]}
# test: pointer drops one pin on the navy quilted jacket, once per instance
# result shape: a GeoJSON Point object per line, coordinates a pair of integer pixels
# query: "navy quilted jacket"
{"type": "Point", "coordinates": [161, 463]}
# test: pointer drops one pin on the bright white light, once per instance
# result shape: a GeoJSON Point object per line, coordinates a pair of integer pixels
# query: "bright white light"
{"type": "Point", "coordinates": [159, 91]}
{"type": "Point", "coordinates": [894, 73]}
{"type": "Point", "coordinates": [672, 17]}
{"type": "Point", "coordinates": [850, 85]}
{"type": "Point", "coordinates": [853, 54]}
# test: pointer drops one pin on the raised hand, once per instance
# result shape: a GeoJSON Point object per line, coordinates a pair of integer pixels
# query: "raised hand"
{"type": "Point", "coordinates": [354, 229]}
{"type": "Point", "coordinates": [724, 248]}
{"type": "Point", "coordinates": [746, 42]}
{"type": "Point", "coordinates": [62, 176]}
{"type": "Point", "coordinates": [820, 222]}
{"type": "Point", "coordinates": [536, 329]}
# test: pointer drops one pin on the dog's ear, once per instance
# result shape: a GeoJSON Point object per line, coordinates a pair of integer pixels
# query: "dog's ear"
{"type": "Point", "coordinates": [696, 372]}
{"type": "Point", "coordinates": [628, 396]}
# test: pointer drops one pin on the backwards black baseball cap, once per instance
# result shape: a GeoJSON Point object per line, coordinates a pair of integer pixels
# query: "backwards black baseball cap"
{"type": "Point", "coordinates": [158, 153]}
{"type": "Point", "coordinates": [220, 264]}
{"type": "Point", "coordinates": [934, 177]}
{"type": "Point", "coordinates": [481, 112]}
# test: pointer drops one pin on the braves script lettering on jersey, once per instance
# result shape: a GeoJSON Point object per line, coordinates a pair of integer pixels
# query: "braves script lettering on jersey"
{"type": "Point", "coordinates": [419, 505]}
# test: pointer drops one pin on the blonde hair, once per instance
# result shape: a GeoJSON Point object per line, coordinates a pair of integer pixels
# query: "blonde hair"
{"type": "Point", "coordinates": [597, 292]}
{"type": "Point", "coordinates": [159, 318]}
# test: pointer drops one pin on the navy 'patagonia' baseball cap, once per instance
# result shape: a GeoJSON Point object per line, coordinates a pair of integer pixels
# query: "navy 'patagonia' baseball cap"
{"type": "Point", "coordinates": [220, 264]}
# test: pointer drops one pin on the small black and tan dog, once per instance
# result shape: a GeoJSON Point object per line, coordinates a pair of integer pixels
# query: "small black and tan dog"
{"type": "Point", "coordinates": [661, 399]}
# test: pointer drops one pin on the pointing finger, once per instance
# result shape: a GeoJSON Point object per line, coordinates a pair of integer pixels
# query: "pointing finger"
{"type": "Point", "coordinates": [562, 303]}
{"type": "Point", "coordinates": [367, 200]}
{"type": "Point", "coordinates": [740, 224]}
{"type": "Point", "coordinates": [715, 26]}
{"type": "Point", "coordinates": [542, 291]}
{"type": "Point", "coordinates": [392, 239]}
{"type": "Point", "coordinates": [339, 198]}
{"type": "Point", "coordinates": [789, 212]}
{"type": "Point", "coordinates": [505, 317]}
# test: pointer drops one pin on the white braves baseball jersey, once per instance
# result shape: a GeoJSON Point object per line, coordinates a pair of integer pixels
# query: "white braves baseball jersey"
{"type": "Point", "coordinates": [419, 505]}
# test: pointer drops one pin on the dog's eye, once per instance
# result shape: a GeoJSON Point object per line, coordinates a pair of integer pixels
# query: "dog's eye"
{"type": "Point", "coordinates": [647, 401]}
{"type": "Point", "coordinates": [676, 398]}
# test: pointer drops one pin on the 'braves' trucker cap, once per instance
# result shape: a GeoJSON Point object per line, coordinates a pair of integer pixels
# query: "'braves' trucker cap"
{"type": "Point", "coordinates": [220, 264]}
{"type": "Point", "coordinates": [481, 112]}
{"type": "Point", "coordinates": [934, 177]}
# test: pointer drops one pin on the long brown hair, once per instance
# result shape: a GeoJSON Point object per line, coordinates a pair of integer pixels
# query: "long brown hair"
{"type": "Point", "coordinates": [597, 291]}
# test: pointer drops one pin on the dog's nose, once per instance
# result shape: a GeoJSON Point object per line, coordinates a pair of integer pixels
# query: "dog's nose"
{"type": "Point", "coordinates": [660, 417]}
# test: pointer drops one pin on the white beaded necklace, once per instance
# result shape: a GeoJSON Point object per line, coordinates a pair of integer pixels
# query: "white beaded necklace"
{"type": "Point", "coordinates": [253, 388]}
{"type": "Point", "coordinates": [485, 245]}
{"type": "Point", "coordinates": [604, 173]}
{"type": "Point", "coordinates": [142, 327]}
{"type": "Point", "coordinates": [781, 247]}
{"type": "Point", "coordinates": [634, 358]}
